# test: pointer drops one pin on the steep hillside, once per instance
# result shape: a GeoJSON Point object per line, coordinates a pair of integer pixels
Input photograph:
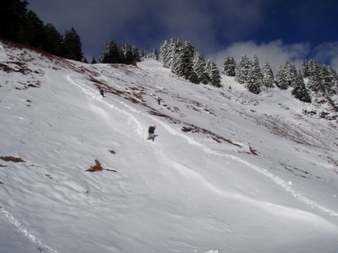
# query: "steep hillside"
{"type": "Point", "coordinates": [228, 171]}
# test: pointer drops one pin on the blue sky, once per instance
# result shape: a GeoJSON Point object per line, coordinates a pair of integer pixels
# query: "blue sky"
{"type": "Point", "coordinates": [273, 29]}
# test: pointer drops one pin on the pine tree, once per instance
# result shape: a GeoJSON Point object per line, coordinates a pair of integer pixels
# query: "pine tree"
{"type": "Point", "coordinates": [52, 41]}
{"type": "Point", "coordinates": [128, 54]}
{"type": "Point", "coordinates": [268, 78]}
{"type": "Point", "coordinates": [155, 54]}
{"type": "Point", "coordinates": [213, 74]}
{"type": "Point", "coordinates": [164, 54]}
{"type": "Point", "coordinates": [199, 66]}
{"type": "Point", "coordinates": [84, 60]}
{"type": "Point", "coordinates": [314, 76]}
{"type": "Point", "coordinates": [291, 72]}
{"type": "Point", "coordinates": [256, 72]}
{"type": "Point", "coordinates": [300, 90]}
{"type": "Point", "coordinates": [187, 59]}
{"type": "Point", "coordinates": [243, 68]}
{"type": "Point", "coordinates": [110, 54]}
{"type": "Point", "coordinates": [334, 77]}
{"type": "Point", "coordinates": [255, 77]}
{"type": "Point", "coordinates": [175, 59]}
{"type": "Point", "coordinates": [12, 17]}
{"type": "Point", "coordinates": [286, 75]}
{"type": "Point", "coordinates": [229, 67]}
{"type": "Point", "coordinates": [93, 60]}
{"type": "Point", "coordinates": [305, 68]}
{"type": "Point", "coordinates": [32, 30]}
{"type": "Point", "coordinates": [281, 79]}
{"type": "Point", "coordinates": [72, 45]}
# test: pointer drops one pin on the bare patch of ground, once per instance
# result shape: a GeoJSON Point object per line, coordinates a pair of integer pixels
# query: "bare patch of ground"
{"type": "Point", "coordinates": [12, 159]}
{"type": "Point", "coordinates": [98, 167]}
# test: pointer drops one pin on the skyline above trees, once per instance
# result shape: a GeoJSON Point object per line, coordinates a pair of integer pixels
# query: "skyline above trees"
{"type": "Point", "coordinates": [19, 24]}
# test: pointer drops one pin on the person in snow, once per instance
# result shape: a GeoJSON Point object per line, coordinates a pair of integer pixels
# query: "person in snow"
{"type": "Point", "coordinates": [102, 92]}
{"type": "Point", "coordinates": [159, 101]}
{"type": "Point", "coordinates": [151, 132]}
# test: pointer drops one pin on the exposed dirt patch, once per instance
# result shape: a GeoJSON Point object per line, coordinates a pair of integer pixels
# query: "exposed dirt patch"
{"type": "Point", "coordinates": [252, 151]}
{"type": "Point", "coordinates": [5, 68]}
{"type": "Point", "coordinates": [49, 176]}
{"type": "Point", "coordinates": [296, 171]}
{"type": "Point", "coordinates": [195, 129]}
{"type": "Point", "coordinates": [187, 129]}
{"type": "Point", "coordinates": [111, 170]}
{"type": "Point", "coordinates": [98, 167]}
{"type": "Point", "coordinates": [15, 66]}
{"type": "Point", "coordinates": [12, 159]}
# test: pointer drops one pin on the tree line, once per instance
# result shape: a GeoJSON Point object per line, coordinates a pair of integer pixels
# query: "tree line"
{"type": "Point", "coordinates": [184, 61]}
{"type": "Point", "coordinates": [320, 78]}
{"type": "Point", "coordinates": [19, 24]}
{"type": "Point", "coordinates": [311, 79]}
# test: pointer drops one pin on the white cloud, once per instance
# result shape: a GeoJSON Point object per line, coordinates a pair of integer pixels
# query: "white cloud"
{"type": "Point", "coordinates": [276, 52]}
{"type": "Point", "coordinates": [327, 53]}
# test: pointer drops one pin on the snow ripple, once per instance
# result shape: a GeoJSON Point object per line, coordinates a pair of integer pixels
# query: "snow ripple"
{"type": "Point", "coordinates": [277, 180]}
{"type": "Point", "coordinates": [140, 129]}
{"type": "Point", "coordinates": [26, 233]}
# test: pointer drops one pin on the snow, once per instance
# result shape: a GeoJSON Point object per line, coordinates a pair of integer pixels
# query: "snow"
{"type": "Point", "coordinates": [253, 175]}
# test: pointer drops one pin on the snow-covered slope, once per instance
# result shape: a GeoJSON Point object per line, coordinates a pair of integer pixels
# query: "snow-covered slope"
{"type": "Point", "coordinates": [229, 171]}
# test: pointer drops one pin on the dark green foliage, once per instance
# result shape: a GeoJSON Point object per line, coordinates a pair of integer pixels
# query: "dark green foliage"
{"type": "Point", "coordinates": [193, 78]}
{"type": "Point", "coordinates": [72, 45]}
{"type": "Point", "coordinates": [243, 68]}
{"type": "Point", "coordinates": [22, 25]}
{"type": "Point", "coordinates": [305, 68]}
{"type": "Point", "coordinates": [93, 61]}
{"type": "Point", "coordinates": [229, 67]}
{"type": "Point", "coordinates": [52, 41]}
{"type": "Point", "coordinates": [199, 67]}
{"type": "Point", "coordinates": [187, 59]}
{"type": "Point", "coordinates": [300, 91]}
{"type": "Point", "coordinates": [214, 76]}
{"type": "Point", "coordinates": [249, 73]}
{"type": "Point", "coordinates": [184, 61]}
{"type": "Point", "coordinates": [110, 54]}
{"type": "Point", "coordinates": [118, 53]}
{"type": "Point", "coordinates": [268, 79]}
{"type": "Point", "coordinates": [33, 32]}
{"type": "Point", "coordinates": [165, 54]}
{"type": "Point", "coordinates": [322, 78]}
{"type": "Point", "coordinates": [255, 77]}
{"type": "Point", "coordinates": [286, 75]}
{"type": "Point", "coordinates": [12, 17]}
{"type": "Point", "coordinates": [84, 60]}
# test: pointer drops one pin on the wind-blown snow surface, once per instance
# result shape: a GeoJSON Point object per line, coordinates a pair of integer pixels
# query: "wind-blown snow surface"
{"type": "Point", "coordinates": [229, 171]}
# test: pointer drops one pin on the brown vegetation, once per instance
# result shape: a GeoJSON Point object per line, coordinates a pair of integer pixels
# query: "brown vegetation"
{"type": "Point", "coordinates": [12, 159]}
{"type": "Point", "coordinates": [98, 167]}
{"type": "Point", "coordinates": [252, 151]}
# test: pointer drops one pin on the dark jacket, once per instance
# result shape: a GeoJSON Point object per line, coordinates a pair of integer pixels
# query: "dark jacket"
{"type": "Point", "coordinates": [151, 130]}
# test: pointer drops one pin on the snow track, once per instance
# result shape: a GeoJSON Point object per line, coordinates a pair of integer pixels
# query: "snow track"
{"type": "Point", "coordinates": [32, 238]}
{"type": "Point", "coordinates": [140, 129]}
